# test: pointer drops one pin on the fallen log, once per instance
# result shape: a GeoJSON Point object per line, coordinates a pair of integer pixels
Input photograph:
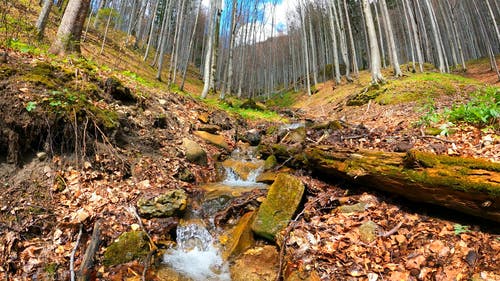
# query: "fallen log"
{"type": "Point", "coordinates": [468, 185]}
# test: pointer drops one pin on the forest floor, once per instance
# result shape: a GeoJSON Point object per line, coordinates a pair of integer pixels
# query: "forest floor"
{"type": "Point", "coordinates": [72, 152]}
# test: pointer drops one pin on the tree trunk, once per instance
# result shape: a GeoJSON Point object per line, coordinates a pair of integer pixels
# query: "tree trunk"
{"type": "Point", "coordinates": [467, 185]}
{"type": "Point", "coordinates": [71, 27]}
{"type": "Point", "coordinates": [392, 42]}
{"type": "Point", "coordinates": [374, 49]}
{"type": "Point", "coordinates": [42, 19]}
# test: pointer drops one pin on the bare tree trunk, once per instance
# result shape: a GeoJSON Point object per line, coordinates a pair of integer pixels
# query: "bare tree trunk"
{"type": "Point", "coordinates": [306, 54]}
{"type": "Point", "coordinates": [191, 42]}
{"type": "Point", "coordinates": [71, 27]}
{"type": "Point", "coordinates": [392, 43]}
{"type": "Point", "coordinates": [375, 66]}
{"type": "Point", "coordinates": [42, 18]}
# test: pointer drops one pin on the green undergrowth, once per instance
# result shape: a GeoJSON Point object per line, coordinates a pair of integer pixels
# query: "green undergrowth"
{"type": "Point", "coordinates": [232, 106]}
{"type": "Point", "coordinates": [482, 110]}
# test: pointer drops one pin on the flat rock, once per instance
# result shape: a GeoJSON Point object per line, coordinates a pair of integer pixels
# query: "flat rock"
{"type": "Point", "coordinates": [216, 140]}
{"type": "Point", "coordinates": [239, 238]}
{"type": "Point", "coordinates": [256, 264]}
{"type": "Point", "coordinates": [168, 204]}
{"type": "Point", "coordinates": [281, 203]}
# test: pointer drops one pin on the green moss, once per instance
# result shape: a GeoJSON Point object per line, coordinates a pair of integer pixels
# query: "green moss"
{"type": "Point", "coordinates": [51, 270]}
{"type": "Point", "coordinates": [270, 162]}
{"type": "Point", "coordinates": [43, 75]}
{"type": "Point", "coordinates": [6, 71]}
{"type": "Point", "coordinates": [129, 246]}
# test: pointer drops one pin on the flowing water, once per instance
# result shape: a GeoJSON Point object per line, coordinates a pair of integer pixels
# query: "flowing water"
{"type": "Point", "coordinates": [196, 255]}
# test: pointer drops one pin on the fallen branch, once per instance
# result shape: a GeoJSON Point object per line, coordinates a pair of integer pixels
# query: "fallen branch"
{"type": "Point", "coordinates": [88, 259]}
{"type": "Point", "coordinates": [72, 257]}
{"type": "Point", "coordinates": [131, 210]}
{"type": "Point", "coordinates": [392, 231]}
{"type": "Point", "coordinates": [436, 138]}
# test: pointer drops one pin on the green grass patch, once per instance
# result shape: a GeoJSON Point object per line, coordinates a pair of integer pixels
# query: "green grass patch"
{"type": "Point", "coordinates": [232, 106]}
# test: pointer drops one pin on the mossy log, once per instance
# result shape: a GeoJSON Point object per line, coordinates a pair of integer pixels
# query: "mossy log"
{"type": "Point", "coordinates": [467, 185]}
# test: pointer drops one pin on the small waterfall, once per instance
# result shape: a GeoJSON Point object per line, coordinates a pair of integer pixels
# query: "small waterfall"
{"type": "Point", "coordinates": [232, 178]}
{"type": "Point", "coordinates": [195, 255]}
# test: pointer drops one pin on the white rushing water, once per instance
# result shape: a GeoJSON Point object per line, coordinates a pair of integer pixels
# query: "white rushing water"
{"type": "Point", "coordinates": [195, 255]}
{"type": "Point", "coordinates": [232, 179]}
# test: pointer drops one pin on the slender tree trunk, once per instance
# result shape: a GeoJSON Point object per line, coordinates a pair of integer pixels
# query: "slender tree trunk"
{"type": "Point", "coordinates": [392, 42]}
{"type": "Point", "coordinates": [208, 51]}
{"type": "Point", "coordinates": [191, 42]}
{"type": "Point", "coordinates": [374, 48]}
{"type": "Point", "coordinates": [43, 18]}
{"type": "Point", "coordinates": [351, 40]}
{"type": "Point", "coordinates": [306, 52]}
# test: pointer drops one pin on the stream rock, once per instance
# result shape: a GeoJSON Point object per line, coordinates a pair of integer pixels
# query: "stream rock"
{"type": "Point", "coordinates": [194, 152]}
{"type": "Point", "coordinates": [252, 137]}
{"type": "Point", "coordinates": [256, 264]}
{"type": "Point", "coordinates": [128, 247]}
{"type": "Point", "coordinates": [239, 238]}
{"type": "Point", "coordinates": [242, 168]}
{"type": "Point", "coordinates": [276, 211]}
{"type": "Point", "coordinates": [216, 140]}
{"type": "Point", "coordinates": [171, 203]}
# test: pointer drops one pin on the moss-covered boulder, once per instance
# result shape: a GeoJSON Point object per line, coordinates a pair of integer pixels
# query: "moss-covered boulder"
{"type": "Point", "coordinates": [129, 246]}
{"type": "Point", "coordinates": [216, 140]}
{"type": "Point", "coordinates": [276, 211]}
{"type": "Point", "coordinates": [171, 203]}
{"type": "Point", "coordinates": [271, 162]}
{"type": "Point", "coordinates": [194, 152]}
{"type": "Point", "coordinates": [256, 264]}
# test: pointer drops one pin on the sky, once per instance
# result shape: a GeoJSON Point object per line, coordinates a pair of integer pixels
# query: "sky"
{"type": "Point", "coordinates": [281, 8]}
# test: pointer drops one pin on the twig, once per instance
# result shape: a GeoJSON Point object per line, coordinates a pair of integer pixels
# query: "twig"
{"type": "Point", "coordinates": [436, 138]}
{"type": "Point", "coordinates": [88, 259]}
{"type": "Point", "coordinates": [72, 257]}
{"type": "Point", "coordinates": [392, 231]}
{"type": "Point", "coordinates": [283, 164]}
{"type": "Point", "coordinates": [132, 211]}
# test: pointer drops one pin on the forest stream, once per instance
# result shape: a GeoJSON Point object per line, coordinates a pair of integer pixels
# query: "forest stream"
{"type": "Point", "coordinates": [198, 254]}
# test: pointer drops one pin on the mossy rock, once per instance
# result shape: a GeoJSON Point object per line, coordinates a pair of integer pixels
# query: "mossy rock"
{"type": "Point", "coordinates": [129, 246]}
{"type": "Point", "coordinates": [363, 97]}
{"type": "Point", "coordinates": [251, 104]}
{"type": "Point", "coordinates": [270, 163]}
{"type": "Point", "coordinates": [281, 203]}
{"type": "Point", "coordinates": [169, 204]}
{"type": "Point", "coordinates": [368, 231]}
{"type": "Point", "coordinates": [216, 140]}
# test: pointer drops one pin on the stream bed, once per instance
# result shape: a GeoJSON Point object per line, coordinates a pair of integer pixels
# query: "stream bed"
{"type": "Point", "coordinates": [197, 255]}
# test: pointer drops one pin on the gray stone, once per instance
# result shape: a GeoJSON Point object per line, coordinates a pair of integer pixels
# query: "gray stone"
{"type": "Point", "coordinates": [171, 203]}
{"type": "Point", "coordinates": [194, 153]}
